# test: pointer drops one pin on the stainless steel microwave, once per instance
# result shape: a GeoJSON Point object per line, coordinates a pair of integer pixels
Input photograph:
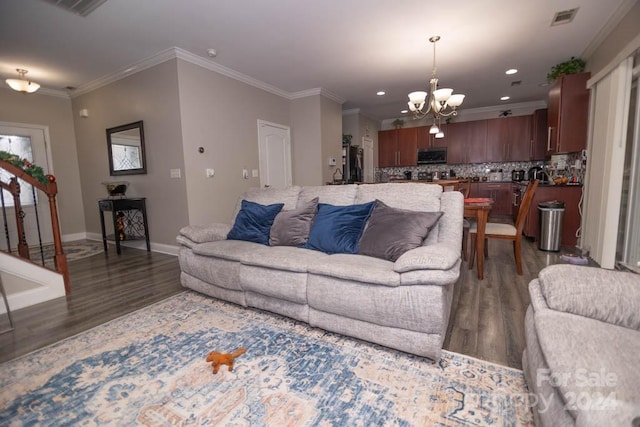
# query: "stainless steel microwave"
{"type": "Point", "coordinates": [432, 156]}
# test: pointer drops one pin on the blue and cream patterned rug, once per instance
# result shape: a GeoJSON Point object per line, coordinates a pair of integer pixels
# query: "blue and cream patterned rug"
{"type": "Point", "coordinates": [149, 368]}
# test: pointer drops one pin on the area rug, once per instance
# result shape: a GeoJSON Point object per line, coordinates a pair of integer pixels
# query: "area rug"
{"type": "Point", "coordinates": [73, 250]}
{"type": "Point", "coordinates": [148, 368]}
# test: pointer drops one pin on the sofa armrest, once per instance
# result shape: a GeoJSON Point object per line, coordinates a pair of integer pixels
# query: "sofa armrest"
{"type": "Point", "coordinates": [204, 233]}
{"type": "Point", "coordinates": [606, 295]}
{"type": "Point", "coordinates": [439, 256]}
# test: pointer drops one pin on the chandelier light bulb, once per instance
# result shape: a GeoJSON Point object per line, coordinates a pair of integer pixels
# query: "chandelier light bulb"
{"type": "Point", "coordinates": [434, 129]}
{"type": "Point", "coordinates": [440, 135]}
{"type": "Point", "coordinates": [441, 103]}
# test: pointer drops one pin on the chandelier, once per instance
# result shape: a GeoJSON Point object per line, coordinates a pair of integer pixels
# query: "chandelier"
{"type": "Point", "coordinates": [22, 84]}
{"type": "Point", "coordinates": [441, 102]}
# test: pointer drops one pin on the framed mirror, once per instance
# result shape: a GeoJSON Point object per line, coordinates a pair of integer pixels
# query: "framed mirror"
{"type": "Point", "coordinates": [126, 149]}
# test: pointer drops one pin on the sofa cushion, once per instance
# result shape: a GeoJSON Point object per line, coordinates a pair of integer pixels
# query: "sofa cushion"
{"type": "Point", "coordinates": [269, 196]}
{"type": "Point", "coordinates": [391, 232]}
{"type": "Point", "coordinates": [291, 228]}
{"type": "Point", "coordinates": [439, 256]}
{"type": "Point", "coordinates": [414, 197]}
{"type": "Point", "coordinates": [591, 359]}
{"type": "Point", "coordinates": [286, 258]}
{"type": "Point", "coordinates": [232, 250]}
{"type": "Point", "coordinates": [358, 268]}
{"type": "Point", "coordinates": [205, 233]}
{"type": "Point", "coordinates": [610, 296]}
{"type": "Point", "coordinates": [340, 195]}
{"type": "Point", "coordinates": [337, 229]}
{"type": "Point", "coordinates": [253, 222]}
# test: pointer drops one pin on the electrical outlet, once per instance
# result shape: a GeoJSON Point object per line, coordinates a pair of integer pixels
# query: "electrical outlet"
{"type": "Point", "coordinates": [209, 172]}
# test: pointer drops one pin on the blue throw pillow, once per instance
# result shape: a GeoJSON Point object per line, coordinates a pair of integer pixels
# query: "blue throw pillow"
{"type": "Point", "coordinates": [254, 222]}
{"type": "Point", "coordinates": [337, 229]}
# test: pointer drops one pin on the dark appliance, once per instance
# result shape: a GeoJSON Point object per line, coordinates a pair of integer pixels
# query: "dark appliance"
{"type": "Point", "coordinates": [517, 175]}
{"type": "Point", "coordinates": [533, 172]}
{"type": "Point", "coordinates": [352, 163]}
{"type": "Point", "coordinates": [452, 173]}
{"type": "Point", "coordinates": [432, 156]}
{"type": "Point", "coordinates": [425, 176]}
{"type": "Point", "coordinates": [408, 175]}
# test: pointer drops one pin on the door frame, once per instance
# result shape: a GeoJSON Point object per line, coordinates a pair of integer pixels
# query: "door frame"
{"type": "Point", "coordinates": [261, 155]}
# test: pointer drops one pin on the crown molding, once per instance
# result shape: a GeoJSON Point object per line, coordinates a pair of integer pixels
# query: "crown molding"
{"type": "Point", "coordinates": [351, 112]}
{"type": "Point", "coordinates": [225, 71]}
{"type": "Point", "coordinates": [317, 91]}
{"type": "Point", "coordinates": [615, 19]}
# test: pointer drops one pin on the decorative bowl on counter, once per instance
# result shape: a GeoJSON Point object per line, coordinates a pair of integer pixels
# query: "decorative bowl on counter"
{"type": "Point", "coordinates": [116, 188]}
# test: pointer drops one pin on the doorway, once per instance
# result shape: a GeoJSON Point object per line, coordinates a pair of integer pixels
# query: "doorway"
{"type": "Point", "coordinates": [274, 147]}
{"type": "Point", "coordinates": [28, 142]}
{"type": "Point", "coordinates": [367, 145]}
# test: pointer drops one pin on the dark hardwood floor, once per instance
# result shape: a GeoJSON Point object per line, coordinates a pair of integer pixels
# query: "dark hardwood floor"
{"type": "Point", "coordinates": [486, 322]}
{"type": "Point", "coordinates": [103, 288]}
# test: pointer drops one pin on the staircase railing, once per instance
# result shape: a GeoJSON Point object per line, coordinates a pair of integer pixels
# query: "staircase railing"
{"type": "Point", "coordinates": [22, 247]}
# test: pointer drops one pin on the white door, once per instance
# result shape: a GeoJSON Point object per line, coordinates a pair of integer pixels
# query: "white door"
{"type": "Point", "coordinates": [274, 146]}
{"type": "Point", "coordinates": [367, 146]}
{"type": "Point", "coordinates": [27, 142]}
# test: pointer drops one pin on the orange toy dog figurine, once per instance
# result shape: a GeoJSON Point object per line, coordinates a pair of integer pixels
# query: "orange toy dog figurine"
{"type": "Point", "coordinates": [224, 358]}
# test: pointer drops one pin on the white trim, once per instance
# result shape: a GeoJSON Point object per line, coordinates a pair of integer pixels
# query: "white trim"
{"type": "Point", "coordinates": [351, 112]}
{"type": "Point", "coordinates": [139, 244]}
{"type": "Point", "coordinates": [45, 133]}
{"type": "Point", "coordinates": [625, 53]}
{"type": "Point", "coordinates": [317, 91]}
{"type": "Point", "coordinates": [50, 283]}
{"type": "Point", "coordinates": [73, 237]}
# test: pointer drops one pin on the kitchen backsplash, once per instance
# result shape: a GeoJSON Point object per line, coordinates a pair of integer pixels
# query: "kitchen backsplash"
{"type": "Point", "coordinates": [483, 169]}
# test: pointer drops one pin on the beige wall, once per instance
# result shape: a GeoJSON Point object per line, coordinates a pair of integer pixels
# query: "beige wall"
{"type": "Point", "coordinates": [152, 96]}
{"type": "Point", "coordinates": [623, 33]}
{"type": "Point", "coordinates": [331, 128]}
{"type": "Point", "coordinates": [306, 141]}
{"type": "Point", "coordinates": [221, 115]}
{"type": "Point", "coordinates": [54, 113]}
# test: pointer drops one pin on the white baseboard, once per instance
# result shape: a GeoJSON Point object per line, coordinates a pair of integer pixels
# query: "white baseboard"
{"type": "Point", "coordinates": [140, 244]}
{"type": "Point", "coordinates": [74, 237]}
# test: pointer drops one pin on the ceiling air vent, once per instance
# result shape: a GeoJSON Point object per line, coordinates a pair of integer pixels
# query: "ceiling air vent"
{"type": "Point", "coordinates": [79, 7]}
{"type": "Point", "coordinates": [516, 83]}
{"type": "Point", "coordinates": [564, 17]}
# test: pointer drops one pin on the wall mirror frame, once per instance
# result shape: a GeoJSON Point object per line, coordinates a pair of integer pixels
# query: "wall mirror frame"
{"type": "Point", "coordinates": [125, 144]}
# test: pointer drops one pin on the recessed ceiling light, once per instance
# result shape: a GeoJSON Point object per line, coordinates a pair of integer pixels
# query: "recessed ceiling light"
{"type": "Point", "coordinates": [380, 93]}
{"type": "Point", "coordinates": [404, 111]}
{"type": "Point", "coordinates": [505, 98]}
{"type": "Point", "coordinates": [511, 71]}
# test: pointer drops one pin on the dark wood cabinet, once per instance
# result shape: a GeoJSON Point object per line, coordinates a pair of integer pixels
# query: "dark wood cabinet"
{"type": "Point", "coordinates": [427, 140]}
{"type": "Point", "coordinates": [570, 195]}
{"type": "Point", "coordinates": [518, 138]}
{"type": "Point", "coordinates": [540, 134]}
{"type": "Point", "coordinates": [509, 139]}
{"type": "Point", "coordinates": [398, 147]}
{"type": "Point", "coordinates": [568, 114]}
{"type": "Point", "coordinates": [500, 192]}
{"type": "Point", "coordinates": [475, 146]}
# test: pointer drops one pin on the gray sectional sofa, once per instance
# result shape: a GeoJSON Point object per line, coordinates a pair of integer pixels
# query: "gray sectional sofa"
{"type": "Point", "coordinates": [582, 360]}
{"type": "Point", "coordinates": [403, 304]}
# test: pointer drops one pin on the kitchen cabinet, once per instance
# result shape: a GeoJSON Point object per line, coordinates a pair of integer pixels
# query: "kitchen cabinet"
{"type": "Point", "coordinates": [466, 142]}
{"type": "Point", "coordinates": [500, 192]}
{"type": "Point", "coordinates": [427, 140]}
{"type": "Point", "coordinates": [508, 139]}
{"type": "Point", "coordinates": [398, 147]}
{"type": "Point", "coordinates": [568, 194]}
{"type": "Point", "coordinates": [539, 134]}
{"type": "Point", "coordinates": [568, 114]}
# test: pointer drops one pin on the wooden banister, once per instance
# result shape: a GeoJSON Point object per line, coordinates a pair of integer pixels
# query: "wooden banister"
{"type": "Point", "coordinates": [50, 189]}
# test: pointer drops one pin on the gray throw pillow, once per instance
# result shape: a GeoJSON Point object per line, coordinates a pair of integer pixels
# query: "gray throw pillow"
{"type": "Point", "coordinates": [291, 228]}
{"type": "Point", "coordinates": [392, 232]}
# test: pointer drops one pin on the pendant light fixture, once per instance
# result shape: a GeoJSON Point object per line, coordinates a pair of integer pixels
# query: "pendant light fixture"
{"type": "Point", "coordinates": [441, 102]}
{"type": "Point", "coordinates": [22, 84]}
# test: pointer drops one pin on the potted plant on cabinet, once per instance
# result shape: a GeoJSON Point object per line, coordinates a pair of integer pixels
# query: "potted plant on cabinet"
{"type": "Point", "coordinates": [398, 123]}
{"type": "Point", "coordinates": [572, 66]}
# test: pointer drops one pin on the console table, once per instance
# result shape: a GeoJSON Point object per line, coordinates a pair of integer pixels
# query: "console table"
{"type": "Point", "coordinates": [129, 221]}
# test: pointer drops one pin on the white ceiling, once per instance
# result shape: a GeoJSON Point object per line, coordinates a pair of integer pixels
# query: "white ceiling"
{"type": "Point", "coordinates": [351, 48]}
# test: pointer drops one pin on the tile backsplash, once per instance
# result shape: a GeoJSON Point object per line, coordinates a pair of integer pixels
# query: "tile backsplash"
{"type": "Point", "coordinates": [483, 169]}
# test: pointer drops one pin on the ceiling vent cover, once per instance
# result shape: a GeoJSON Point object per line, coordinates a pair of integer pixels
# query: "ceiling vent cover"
{"type": "Point", "coordinates": [564, 17]}
{"type": "Point", "coordinates": [79, 7]}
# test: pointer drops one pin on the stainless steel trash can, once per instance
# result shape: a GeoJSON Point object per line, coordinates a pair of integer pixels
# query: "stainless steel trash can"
{"type": "Point", "coordinates": [551, 214]}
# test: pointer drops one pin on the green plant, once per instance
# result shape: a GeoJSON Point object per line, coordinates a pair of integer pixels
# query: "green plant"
{"type": "Point", "coordinates": [572, 66]}
{"type": "Point", "coordinates": [398, 123]}
{"type": "Point", "coordinates": [23, 164]}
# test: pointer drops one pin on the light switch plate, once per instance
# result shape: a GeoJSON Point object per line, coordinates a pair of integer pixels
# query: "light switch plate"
{"type": "Point", "coordinates": [175, 173]}
{"type": "Point", "coordinates": [254, 173]}
{"type": "Point", "coordinates": [209, 172]}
